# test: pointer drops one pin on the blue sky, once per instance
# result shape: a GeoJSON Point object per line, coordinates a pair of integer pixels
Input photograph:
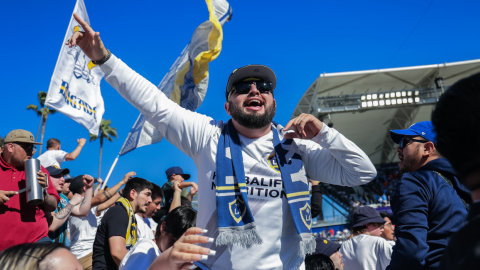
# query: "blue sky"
{"type": "Point", "coordinates": [299, 40]}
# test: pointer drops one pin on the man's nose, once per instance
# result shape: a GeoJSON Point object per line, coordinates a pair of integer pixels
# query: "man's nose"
{"type": "Point", "coordinates": [253, 89]}
{"type": "Point", "coordinates": [399, 149]}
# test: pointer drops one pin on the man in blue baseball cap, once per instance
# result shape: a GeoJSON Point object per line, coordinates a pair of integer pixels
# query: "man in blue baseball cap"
{"type": "Point", "coordinates": [429, 202]}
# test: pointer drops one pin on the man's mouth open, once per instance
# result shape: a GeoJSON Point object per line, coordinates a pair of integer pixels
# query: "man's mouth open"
{"type": "Point", "coordinates": [254, 104]}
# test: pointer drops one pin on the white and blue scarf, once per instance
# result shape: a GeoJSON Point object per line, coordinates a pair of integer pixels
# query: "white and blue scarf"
{"type": "Point", "coordinates": [235, 220]}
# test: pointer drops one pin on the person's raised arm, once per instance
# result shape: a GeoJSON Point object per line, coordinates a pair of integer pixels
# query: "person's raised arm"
{"type": "Point", "coordinates": [193, 191]}
{"type": "Point", "coordinates": [74, 154]}
{"type": "Point", "coordinates": [107, 194]}
{"type": "Point", "coordinates": [100, 182]}
{"type": "Point", "coordinates": [108, 203]}
{"type": "Point", "coordinates": [187, 130]}
{"type": "Point", "coordinates": [177, 200]}
{"type": "Point", "coordinates": [84, 208]}
{"type": "Point", "coordinates": [89, 41]}
{"type": "Point", "coordinates": [56, 220]}
{"type": "Point", "coordinates": [334, 159]}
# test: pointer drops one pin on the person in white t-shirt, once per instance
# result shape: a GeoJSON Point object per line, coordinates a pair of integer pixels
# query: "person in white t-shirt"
{"type": "Point", "coordinates": [175, 224]}
{"type": "Point", "coordinates": [366, 249]}
{"type": "Point", "coordinates": [54, 156]}
{"type": "Point", "coordinates": [143, 219]}
{"type": "Point", "coordinates": [327, 156]}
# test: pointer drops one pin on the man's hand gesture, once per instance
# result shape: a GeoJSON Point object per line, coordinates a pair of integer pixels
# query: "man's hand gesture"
{"type": "Point", "coordinates": [128, 176]}
{"type": "Point", "coordinates": [305, 126]}
{"type": "Point", "coordinates": [81, 141]}
{"type": "Point", "coordinates": [5, 196]}
{"type": "Point", "coordinates": [89, 41]}
{"type": "Point", "coordinates": [88, 181]}
{"type": "Point", "coordinates": [193, 189]}
{"type": "Point", "coordinates": [176, 187]}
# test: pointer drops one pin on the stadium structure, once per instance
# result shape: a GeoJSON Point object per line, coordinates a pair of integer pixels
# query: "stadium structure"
{"type": "Point", "coordinates": [364, 106]}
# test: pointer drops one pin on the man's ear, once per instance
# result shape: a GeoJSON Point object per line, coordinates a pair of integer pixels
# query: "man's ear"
{"type": "Point", "coordinates": [429, 148]}
{"type": "Point", "coordinates": [162, 228]}
{"type": "Point", "coordinates": [227, 108]}
{"type": "Point", "coordinates": [10, 147]}
{"type": "Point", "coordinates": [133, 194]}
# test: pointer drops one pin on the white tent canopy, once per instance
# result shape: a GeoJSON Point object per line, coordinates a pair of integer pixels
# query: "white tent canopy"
{"type": "Point", "coordinates": [369, 127]}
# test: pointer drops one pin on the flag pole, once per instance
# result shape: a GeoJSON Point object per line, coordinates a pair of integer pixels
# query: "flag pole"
{"type": "Point", "coordinates": [110, 172]}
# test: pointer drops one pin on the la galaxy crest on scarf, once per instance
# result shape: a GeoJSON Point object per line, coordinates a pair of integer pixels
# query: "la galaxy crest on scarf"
{"type": "Point", "coordinates": [237, 209]}
{"type": "Point", "coordinates": [306, 214]}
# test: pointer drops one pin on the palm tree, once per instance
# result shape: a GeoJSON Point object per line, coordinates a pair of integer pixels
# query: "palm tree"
{"type": "Point", "coordinates": [43, 113]}
{"type": "Point", "coordinates": [106, 131]}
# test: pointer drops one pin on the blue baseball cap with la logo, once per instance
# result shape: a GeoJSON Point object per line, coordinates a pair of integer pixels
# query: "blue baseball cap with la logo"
{"type": "Point", "coordinates": [423, 129]}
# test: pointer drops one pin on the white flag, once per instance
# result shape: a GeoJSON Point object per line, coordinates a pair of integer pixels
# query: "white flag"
{"type": "Point", "coordinates": [186, 82]}
{"type": "Point", "coordinates": [75, 86]}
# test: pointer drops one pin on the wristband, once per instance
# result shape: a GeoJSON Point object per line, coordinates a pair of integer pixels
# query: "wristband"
{"type": "Point", "coordinates": [105, 59]}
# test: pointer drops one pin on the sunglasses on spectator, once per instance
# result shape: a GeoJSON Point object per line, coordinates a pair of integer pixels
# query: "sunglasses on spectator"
{"type": "Point", "coordinates": [406, 140]}
{"type": "Point", "coordinates": [26, 146]}
{"type": "Point", "coordinates": [245, 87]}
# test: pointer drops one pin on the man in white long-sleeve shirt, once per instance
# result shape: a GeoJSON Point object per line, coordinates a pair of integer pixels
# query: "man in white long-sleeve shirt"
{"type": "Point", "coordinates": [327, 156]}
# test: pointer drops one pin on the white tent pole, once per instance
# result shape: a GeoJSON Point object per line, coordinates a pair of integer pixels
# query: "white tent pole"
{"type": "Point", "coordinates": [110, 172]}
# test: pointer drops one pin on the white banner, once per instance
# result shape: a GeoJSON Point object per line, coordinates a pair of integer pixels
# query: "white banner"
{"type": "Point", "coordinates": [186, 82]}
{"type": "Point", "coordinates": [75, 86]}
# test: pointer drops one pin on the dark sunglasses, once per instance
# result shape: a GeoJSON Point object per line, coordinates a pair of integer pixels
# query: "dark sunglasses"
{"type": "Point", "coordinates": [406, 140]}
{"type": "Point", "coordinates": [244, 87]}
{"type": "Point", "coordinates": [26, 146]}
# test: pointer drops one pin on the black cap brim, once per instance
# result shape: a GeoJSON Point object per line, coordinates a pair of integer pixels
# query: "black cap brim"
{"type": "Point", "coordinates": [251, 71]}
{"type": "Point", "coordinates": [54, 171]}
{"type": "Point", "coordinates": [378, 219]}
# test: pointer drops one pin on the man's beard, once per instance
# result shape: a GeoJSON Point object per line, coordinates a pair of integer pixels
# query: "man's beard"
{"type": "Point", "coordinates": [16, 161]}
{"type": "Point", "coordinates": [254, 120]}
{"type": "Point", "coordinates": [409, 162]}
{"type": "Point", "coordinates": [140, 210]}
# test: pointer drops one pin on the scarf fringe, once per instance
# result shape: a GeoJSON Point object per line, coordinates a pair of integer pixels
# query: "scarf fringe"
{"type": "Point", "coordinates": [307, 245]}
{"type": "Point", "coordinates": [245, 238]}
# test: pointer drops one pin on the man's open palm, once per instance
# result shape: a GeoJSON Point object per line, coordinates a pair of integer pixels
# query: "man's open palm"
{"type": "Point", "coordinates": [89, 41]}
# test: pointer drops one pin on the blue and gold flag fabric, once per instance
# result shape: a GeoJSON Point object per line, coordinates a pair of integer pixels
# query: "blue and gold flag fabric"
{"type": "Point", "coordinates": [186, 82]}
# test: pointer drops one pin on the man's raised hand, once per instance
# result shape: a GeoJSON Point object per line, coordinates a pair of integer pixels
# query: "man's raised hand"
{"type": "Point", "coordinates": [88, 181]}
{"type": "Point", "coordinates": [305, 126]}
{"type": "Point", "coordinates": [89, 41]}
{"type": "Point", "coordinates": [128, 176]}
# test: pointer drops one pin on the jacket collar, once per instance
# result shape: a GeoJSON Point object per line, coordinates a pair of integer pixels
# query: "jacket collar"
{"type": "Point", "coordinates": [440, 165]}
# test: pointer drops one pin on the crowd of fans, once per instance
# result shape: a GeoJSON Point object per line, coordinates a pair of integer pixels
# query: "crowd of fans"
{"type": "Point", "coordinates": [89, 227]}
{"type": "Point", "coordinates": [136, 224]}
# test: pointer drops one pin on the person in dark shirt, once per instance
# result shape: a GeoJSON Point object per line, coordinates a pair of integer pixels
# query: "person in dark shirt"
{"type": "Point", "coordinates": [456, 119]}
{"type": "Point", "coordinates": [428, 202]}
{"type": "Point", "coordinates": [117, 232]}
{"type": "Point", "coordinates": [174, 175]}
